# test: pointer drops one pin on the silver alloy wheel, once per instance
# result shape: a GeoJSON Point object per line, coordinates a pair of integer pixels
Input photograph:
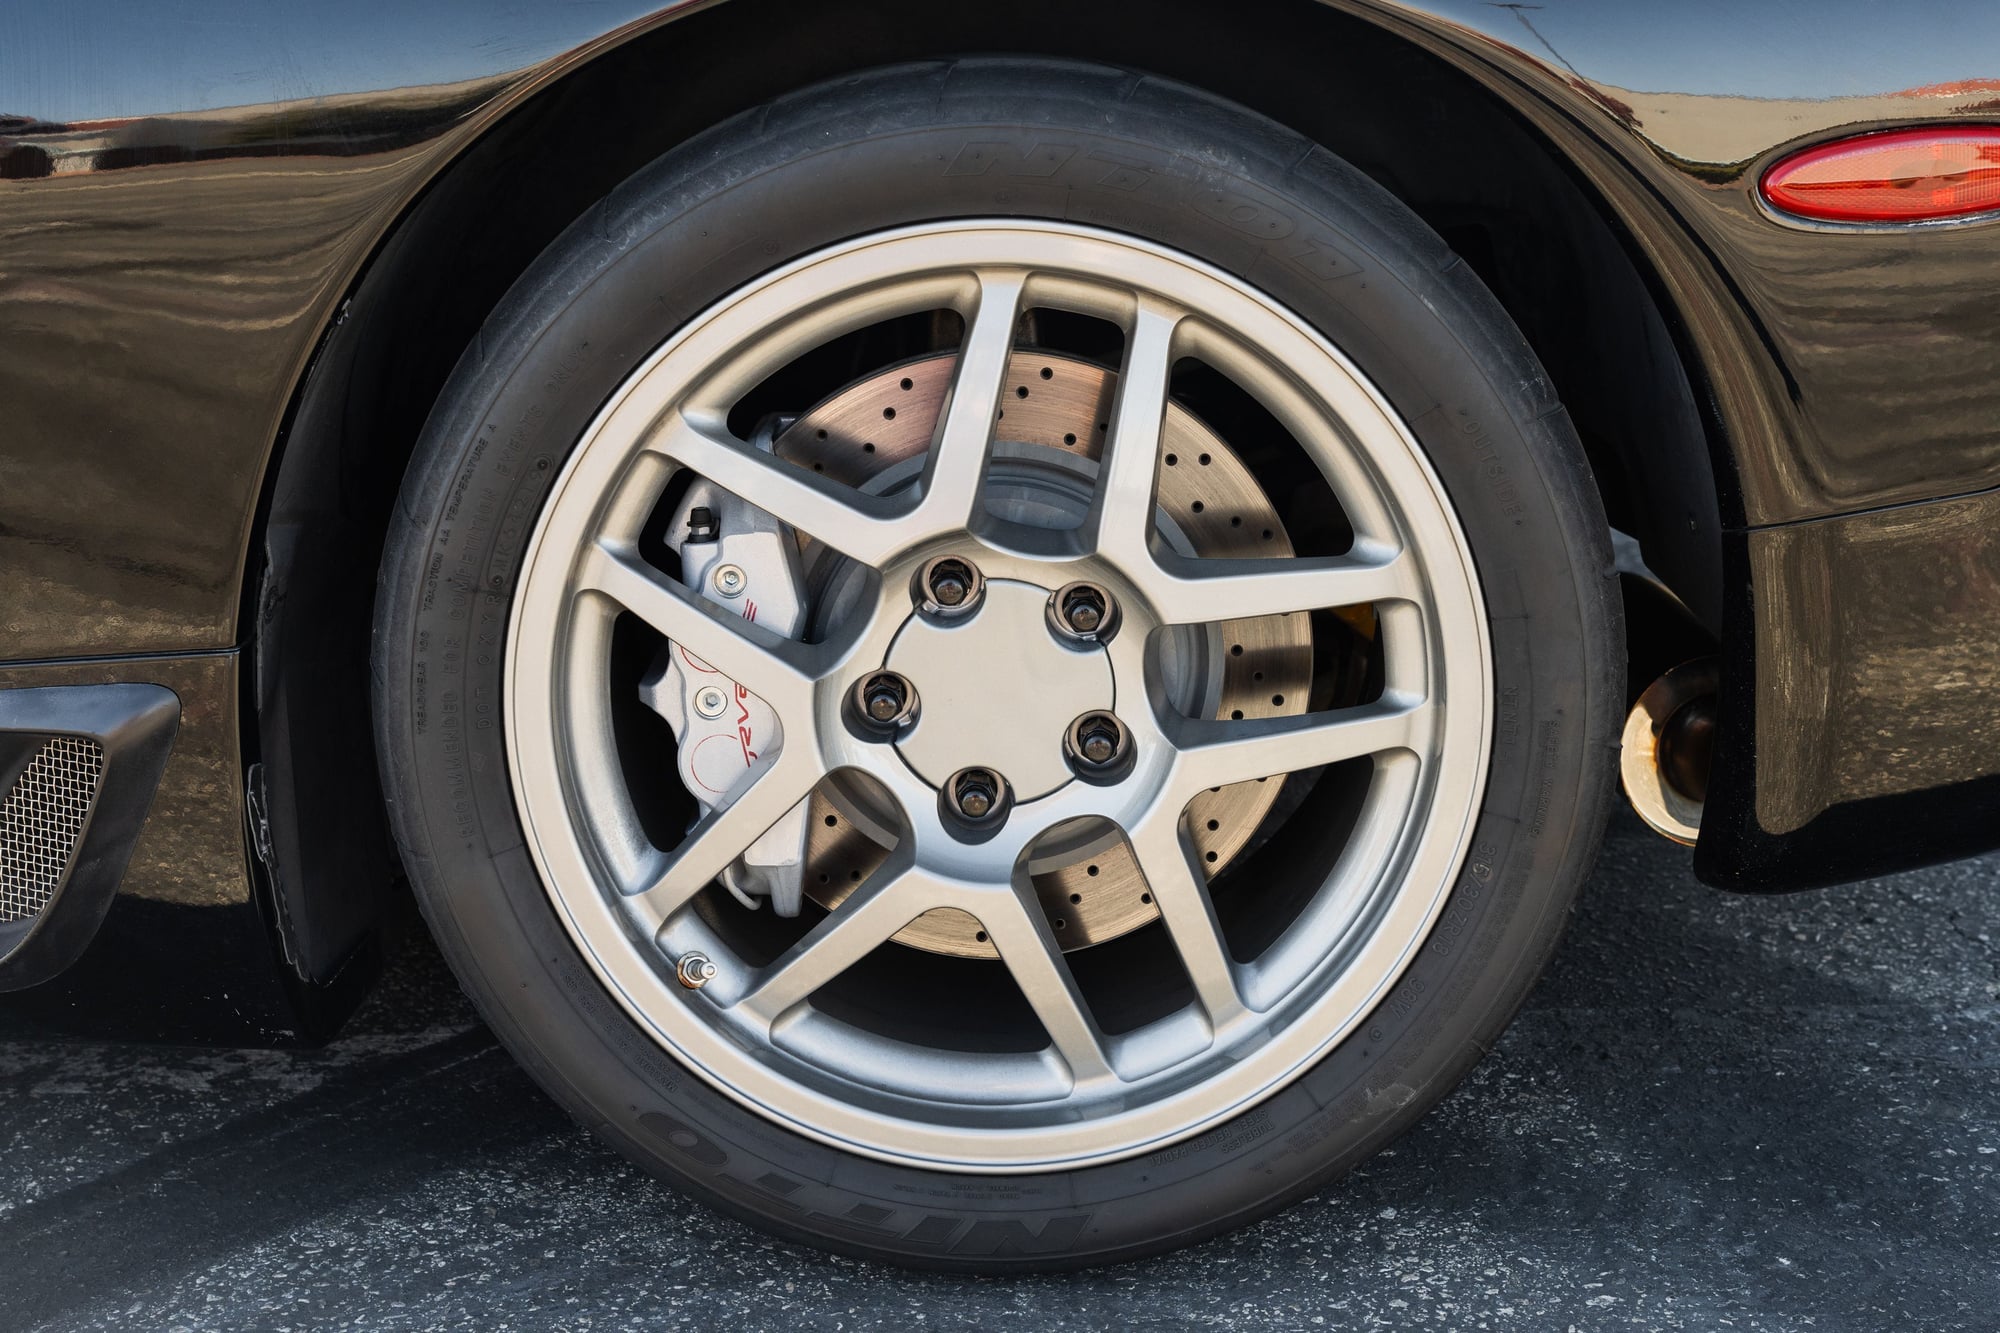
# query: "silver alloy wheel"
{"type": "Point", "coordinates": [1088, 1097]}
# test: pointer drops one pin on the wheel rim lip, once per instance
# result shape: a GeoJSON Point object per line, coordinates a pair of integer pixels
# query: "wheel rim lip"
{"type": "Point", "coordinates": [1412, 883]}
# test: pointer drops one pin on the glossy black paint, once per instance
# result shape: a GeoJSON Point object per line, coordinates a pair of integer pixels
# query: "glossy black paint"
{"type": "Point", "coordinates": [261, 157]}
{"type": "Point", "coordinates": [193, 199]}
{"type": "Point", "coordinates": [1887, 735]}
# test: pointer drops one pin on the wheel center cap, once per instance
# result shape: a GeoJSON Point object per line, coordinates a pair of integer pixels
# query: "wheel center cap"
{"type": "Point", "coordinates": [997, 690]}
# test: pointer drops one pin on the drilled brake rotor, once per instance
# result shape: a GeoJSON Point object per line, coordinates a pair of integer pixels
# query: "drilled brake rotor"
{"type": "Point", "coordinates": [1210, 496]}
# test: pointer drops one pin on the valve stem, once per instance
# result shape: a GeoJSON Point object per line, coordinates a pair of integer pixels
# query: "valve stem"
{"type": "Point", "coordinates": [695, 970]}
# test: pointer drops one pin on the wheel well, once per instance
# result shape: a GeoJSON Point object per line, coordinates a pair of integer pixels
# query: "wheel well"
{"type": "Point", "coordinates": [1451, 150]}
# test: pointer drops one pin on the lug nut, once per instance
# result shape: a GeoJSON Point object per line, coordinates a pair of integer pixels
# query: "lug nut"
{"type": "Point", "coordinates": [695, 970]}
{"type": "Point", "coordinates": [1082, 611]}
{"type": "Point", "coordinates": [1096, 742]}
{"type": "Point", "coordinates": [949, 586]}
{"type": "Point", "coordinates": [975, 793]}
{"type": "Point", "coordinates": [885, 699]}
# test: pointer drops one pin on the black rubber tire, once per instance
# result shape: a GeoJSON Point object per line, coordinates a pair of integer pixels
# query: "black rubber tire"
{"type": "Point", "coordinates": [999, 137]}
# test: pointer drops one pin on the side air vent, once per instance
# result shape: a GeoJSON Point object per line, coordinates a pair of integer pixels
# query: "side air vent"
{"type": "Point", "coordinates": [78, 768]}
{"type": "Point", "coordinates": [41, 821]}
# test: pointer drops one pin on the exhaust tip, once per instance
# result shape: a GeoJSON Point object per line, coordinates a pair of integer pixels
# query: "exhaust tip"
{"type": "Point", "coordinates": [1668, 744]}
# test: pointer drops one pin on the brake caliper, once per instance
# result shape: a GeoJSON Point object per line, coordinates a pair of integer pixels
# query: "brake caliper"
{"type": "Point", "coordinates": [744, 560]}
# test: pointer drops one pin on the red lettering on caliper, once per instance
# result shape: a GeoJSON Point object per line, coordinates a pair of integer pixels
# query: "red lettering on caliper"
{"type": "Point", "coordinates": [743, 727]}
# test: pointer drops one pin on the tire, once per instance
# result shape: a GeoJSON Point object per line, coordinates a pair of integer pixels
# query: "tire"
{"type": "Point", "coordinates": [1134, 155]}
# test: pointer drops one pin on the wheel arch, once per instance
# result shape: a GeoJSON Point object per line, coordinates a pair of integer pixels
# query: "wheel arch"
{"type": "Point", "coordinates": [1431, 121]}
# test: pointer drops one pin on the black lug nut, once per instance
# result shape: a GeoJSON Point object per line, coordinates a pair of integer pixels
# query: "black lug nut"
{"type": "Point", "coordinates": [885, 698]}
{"type": "Point", "coordinates": [1096, 741]}
{"type": "Point", "coordinates": [949, 586]}
{"type": "Point", "coordinates": [975, 793]}
{"type": "Point", "coordinates": [1083, 610]}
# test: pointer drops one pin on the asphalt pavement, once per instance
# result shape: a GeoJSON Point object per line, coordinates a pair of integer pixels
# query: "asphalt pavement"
{"type": "Point", "coordinates": [1714, 1113]}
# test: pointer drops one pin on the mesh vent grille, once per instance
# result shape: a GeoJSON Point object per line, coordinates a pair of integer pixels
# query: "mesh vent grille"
{"type": "Point", "coordinates": [40, 821]}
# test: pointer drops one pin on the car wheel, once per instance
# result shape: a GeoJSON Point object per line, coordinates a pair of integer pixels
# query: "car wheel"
{"type": "Point", "coordinates": [998, 664]}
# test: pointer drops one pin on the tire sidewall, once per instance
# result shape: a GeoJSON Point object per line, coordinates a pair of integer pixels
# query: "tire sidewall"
{"type": "Point", "coordinates": [1090, 146]}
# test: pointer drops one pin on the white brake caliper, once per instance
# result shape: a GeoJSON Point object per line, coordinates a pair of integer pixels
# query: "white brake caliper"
{"type": "Point", "coordinates": [746, 561]}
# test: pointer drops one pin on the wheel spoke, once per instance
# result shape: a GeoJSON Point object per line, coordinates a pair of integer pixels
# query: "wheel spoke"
{"type": "Point", "coordinates": [955, 479]}
{"type": "Point", "coordinates": [857, 525]}
{"type": "Point", "coordinates": [1121, 512]}
{"type": "Point", "coordinates": [1180, 890]}
{"type": "Point", "coordinates": [1187, 591]}
{"type": "Point", "coordinates": [776, 787]}
{"type": "Point", "coordinates": [1215, 754]}
{"type": "Point", "coordinates": [883, 904]}
{"type": "Point", "coordinates": [1028, 947]}
{"type": "Point", "coordinates": [776, 669]}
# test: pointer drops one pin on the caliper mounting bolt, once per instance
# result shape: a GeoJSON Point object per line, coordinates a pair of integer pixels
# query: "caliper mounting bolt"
{"type": "Point", "coordinates": [730, 580]}
{"type": "Point", "coordinates": [711, 701]}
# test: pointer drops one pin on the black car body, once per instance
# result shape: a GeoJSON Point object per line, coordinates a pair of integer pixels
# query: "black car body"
{"type": "Point", "coordinates": [241, 247]}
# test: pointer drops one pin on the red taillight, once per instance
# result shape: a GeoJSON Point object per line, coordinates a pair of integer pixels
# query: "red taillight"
{"type": "Point", "coordinates": [1902, 176]}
